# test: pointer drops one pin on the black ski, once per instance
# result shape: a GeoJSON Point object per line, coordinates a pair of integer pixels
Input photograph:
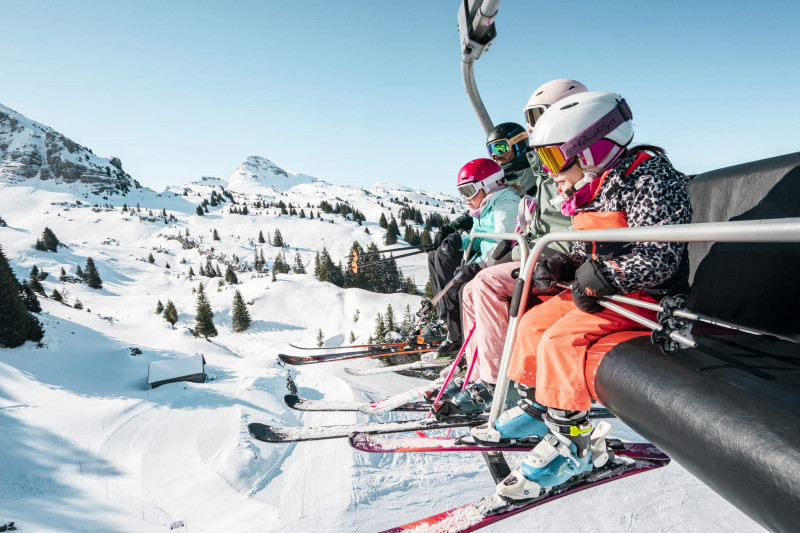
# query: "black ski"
{"type": "Point", "coordinates": [382, 345]}
{"type": "Point", "coordinates": [278, 434]}
{"type": "Point", "coordinates": [306, 404]}
{"type": "Point", "coordinates": [343, 356]}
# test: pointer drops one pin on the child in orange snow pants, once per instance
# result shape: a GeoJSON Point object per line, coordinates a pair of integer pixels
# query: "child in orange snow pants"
{"type": "Point", "coordinates": [551, 343]}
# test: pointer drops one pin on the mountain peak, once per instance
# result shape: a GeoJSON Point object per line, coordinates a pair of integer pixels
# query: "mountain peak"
{"type": "Point", "coordinates": [32, 151]}
{"type": "Point", "coordinates": [258, 172]}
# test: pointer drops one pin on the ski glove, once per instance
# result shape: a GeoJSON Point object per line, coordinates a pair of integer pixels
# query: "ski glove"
{"type": "Point", "coordinates": [451, 244]}
{"type": "Point", "coordinates": [502, 249]}
{"type": "Point", "coordinates": [470, 270]}
{"type": "Point", "coordinates": [443, 232]}
{"type": "Point", "coordinates": [590, 284]}
{"type": "Point", "coordinates": [550, 271]}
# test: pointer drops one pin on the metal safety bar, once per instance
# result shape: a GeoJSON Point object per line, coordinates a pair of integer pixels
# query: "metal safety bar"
{"type": "Point", "coordinates": [771, 230]}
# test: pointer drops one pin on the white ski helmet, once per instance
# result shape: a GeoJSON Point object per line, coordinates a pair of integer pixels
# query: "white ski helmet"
{"type": "Point", "coordinates": [547, 95]}
{"type": "Point", "coordinates": [594, 127]}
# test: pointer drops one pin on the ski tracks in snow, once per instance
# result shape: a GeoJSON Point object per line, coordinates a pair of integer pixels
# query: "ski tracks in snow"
{"type": "Point", "coordinates": [317, 478]}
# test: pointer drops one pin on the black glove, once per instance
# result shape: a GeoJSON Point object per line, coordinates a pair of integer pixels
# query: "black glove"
{"type": "Point", "coordinates": [443, 232]}
{"type": "Point", "coordinates": [590, 284]}
{"type": "Point", "coordinates": [470, 270]}
{"type": "Point", "coordinates": [451, 244]}
{"type": "Point", "coordinates": [502, 249]}
{"type": "Point", "coordinates": [550, 271]}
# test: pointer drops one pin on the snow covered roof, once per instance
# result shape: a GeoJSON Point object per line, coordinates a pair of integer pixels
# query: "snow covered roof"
{"type": "Point", "coordinates": [170, 369]}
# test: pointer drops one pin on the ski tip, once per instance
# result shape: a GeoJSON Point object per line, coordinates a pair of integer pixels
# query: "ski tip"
{"type": "Point", "coordinates": [368, 409]}
{"type": "Point", "coordinates": [291, 400]}
{"type": "Point", "coordinates": [295, 359]}
{"type": "Point", "coordinates": [261, 432]}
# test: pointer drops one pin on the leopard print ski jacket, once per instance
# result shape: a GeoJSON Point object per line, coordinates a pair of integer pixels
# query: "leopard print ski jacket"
{"type": "Point", "coordinates": [653, 193]}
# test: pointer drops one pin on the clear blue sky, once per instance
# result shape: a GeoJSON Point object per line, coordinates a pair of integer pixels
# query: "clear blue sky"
{"type": "Point", "coordinates": [360, 91]}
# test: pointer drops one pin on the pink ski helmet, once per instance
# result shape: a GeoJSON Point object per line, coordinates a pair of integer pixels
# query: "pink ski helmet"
{"type": "Point", "coordinates": [479, 174]}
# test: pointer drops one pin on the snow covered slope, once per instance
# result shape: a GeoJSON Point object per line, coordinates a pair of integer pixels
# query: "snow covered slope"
{"type": "Point", "coordinates": [87, 446]}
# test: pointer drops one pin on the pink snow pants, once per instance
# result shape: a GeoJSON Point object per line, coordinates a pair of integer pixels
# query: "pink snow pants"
{"type": "Point", "coordinates": [484, 301]}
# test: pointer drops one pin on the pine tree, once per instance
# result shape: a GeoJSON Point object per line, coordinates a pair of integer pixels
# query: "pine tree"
{"type": "Point", "coordinates": [428, 293]}
{"type": "Point", "coordinates": [78, 305]}
{"type": "Point", "coordinates": [380, 329]}
{"type": "Point", "coordinates": [352, 337]}
{"type": "Point", "coordinates": [56, 296]}
{"type": "Point", "coordinates": [383, 223]}
{"type": "Point", "coordinates": [191, 272]}
{"type": "Point", "coordinates": [261, 237]}
{"type": "Point", "coordinates": [277, 239]}
{"type": "Point", "coordinates": [34, 282]}
{"type": "Point", "coordinates": [49, 240]}
{"type": "Point", "coordinates": [204, 316]}
{"type": "Point", "coordinates": [159, 308]}
{"type": "Point", "coordinates": [17, 324]}
{"type": "Point", "coordinates": [170, 313]}
{"type": "Point", "coordinates": [79, 272]}
{"type": "Point", "coordinates": [199, 210]}
{"type": "Point", "coordinates": [215, 235]}
{"type": "Point", "coordinates": [391, 236]}
{"type": "Point", "coordinates": [356, 316]}
{"type": "Point", "coordinates": [298, 268]}
{"type": "Point", "coordinates": [92, 277]}
{"type": "Point", "coordinates": [408, 321]}
{"type": "Point", "coordinates": [150, 258]}
{"type": "Point", "coordinates": [241, 317]}
{"type": "Point", "coordinates": [390, 325]}
{"type": "Point", "coordinates": [320, 338]}
{"type": "Point", "coordinates": [230, 276]}
{"type": "Point", "coordinates": [29, 298]}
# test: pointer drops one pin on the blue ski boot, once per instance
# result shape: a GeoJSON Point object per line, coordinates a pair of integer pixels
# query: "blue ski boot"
{"type": "Point", "coordinates": [565, 451]}
{"type": "Point", "coordinates": [520, 423]}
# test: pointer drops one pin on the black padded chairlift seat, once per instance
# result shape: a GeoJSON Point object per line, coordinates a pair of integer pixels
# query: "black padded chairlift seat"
{"type": "Point", "coordinates": [729, 410]}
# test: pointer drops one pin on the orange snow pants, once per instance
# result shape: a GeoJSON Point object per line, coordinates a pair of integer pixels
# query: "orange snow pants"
{"type": "Point", "coordinates": [551, 344]}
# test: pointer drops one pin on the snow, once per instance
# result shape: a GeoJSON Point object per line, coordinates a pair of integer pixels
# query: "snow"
{"type": "Point", "coordinates": [88, 446]}
{"type": "Point", "coordinates": [174, 368]}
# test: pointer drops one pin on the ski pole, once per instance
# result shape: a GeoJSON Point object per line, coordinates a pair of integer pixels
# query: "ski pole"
{"type": "Point", "coordinates": [453, 368]}
{"type": "Point", "coordinates": [354, 265]}
{"type": "Point", "coordinates": [421, 248]}
{"type": "Point", "coordinates": [681, 313]}
{"type": "Point", "coordinates": [686, 342]}
{"type": "Point", "coordinates": [466, 379]}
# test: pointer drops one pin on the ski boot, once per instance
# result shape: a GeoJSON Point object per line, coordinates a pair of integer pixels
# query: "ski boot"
{"type": "Point", "coordinates": [570, 448]}
{"type": "Point", "coordinates": [448, 348]}
{"type": "Point", "coordinates": [450, 390]}
{"type": "Point", "coordinates": [477, 398]}
{"type": "Point", "coordinates": [429, 335]}
{"type": "Point", "coordinates": [520, 423]}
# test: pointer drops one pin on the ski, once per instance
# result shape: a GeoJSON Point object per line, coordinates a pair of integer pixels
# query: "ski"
{"type": "Point", "coordinates": [330, 357]}
{"type": "Point", "coordinates": [366, 442]}
{"type": "Point", "coordinates": [382, 345]}
{"type": "Point", "coordinates": [279, 434]}
{"type": "Point", "coordinates": [305, 404]}
{"type": "Point", "coordinates": [412, 395]}
{"type": "Point", "coordinates": [419, 365]}
{"type": "Point", "coordinates": [634, 458]}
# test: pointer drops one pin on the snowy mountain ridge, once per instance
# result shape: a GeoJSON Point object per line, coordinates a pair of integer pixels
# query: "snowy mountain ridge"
{"type": "Point", "coordinates": [33, 152]}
